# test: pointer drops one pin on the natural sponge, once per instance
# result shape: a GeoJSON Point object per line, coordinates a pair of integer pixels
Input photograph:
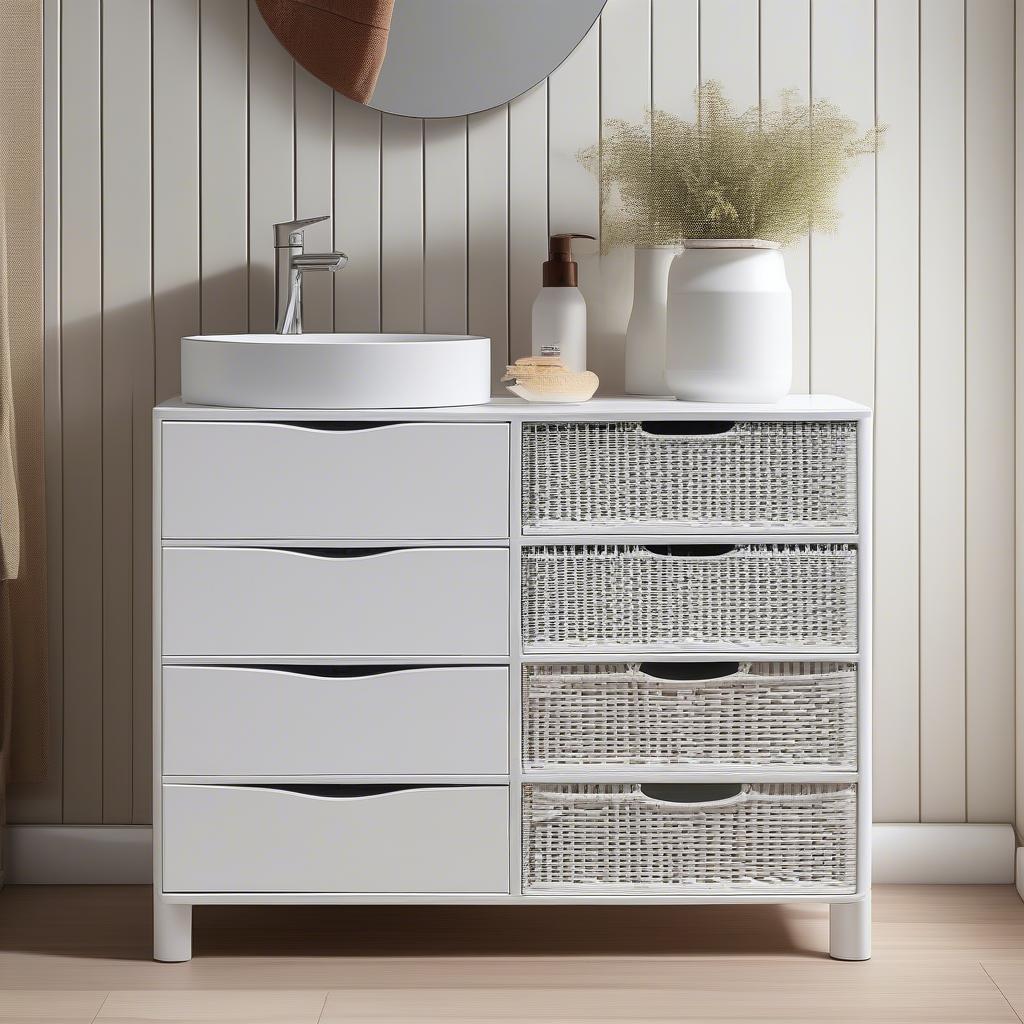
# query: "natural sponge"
{"type": "Point", "coordinates": [546, 379]}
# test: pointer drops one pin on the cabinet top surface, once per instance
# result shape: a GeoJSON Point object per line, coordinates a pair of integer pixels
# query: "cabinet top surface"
{"type": "Point", "coordinates": [506, 410]}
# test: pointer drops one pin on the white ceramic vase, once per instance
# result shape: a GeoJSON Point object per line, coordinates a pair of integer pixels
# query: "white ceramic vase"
{"type": "Point", "coordinates": [729, 334]}
{"type": "Point", "coordinates": [645, 333]}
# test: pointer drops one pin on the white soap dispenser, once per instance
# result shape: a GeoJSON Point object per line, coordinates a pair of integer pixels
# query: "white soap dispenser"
{"type": "Point", "coordinates": [560, 311]}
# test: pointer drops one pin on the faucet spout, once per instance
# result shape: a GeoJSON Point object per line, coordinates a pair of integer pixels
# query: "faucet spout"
{"type": "Point", "coordinates": [313, 261]}
{"type": "Point", "coordinates": [291, 263]}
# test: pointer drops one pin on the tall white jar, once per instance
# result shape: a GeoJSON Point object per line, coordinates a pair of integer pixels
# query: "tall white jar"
{"type": "Point", "coordinates": [645, 333]}
{"type": "Point", "coordinates": [729, 335]}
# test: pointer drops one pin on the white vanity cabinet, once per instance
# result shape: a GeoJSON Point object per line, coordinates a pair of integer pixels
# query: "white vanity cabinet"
{"type": "Point", "coordinates": [616, 652]}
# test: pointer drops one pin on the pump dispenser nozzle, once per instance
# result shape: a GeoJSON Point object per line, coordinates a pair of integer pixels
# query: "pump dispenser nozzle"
{"type": "Point", "coordinates": [560, 269]}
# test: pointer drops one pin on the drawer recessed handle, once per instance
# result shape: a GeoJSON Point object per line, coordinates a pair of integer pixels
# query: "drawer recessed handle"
{"type": "Point", "coordinates": [686, 428]}
{"type": "Point", "coordinates": [336, 671]}
{"type": "Point", "coordinates": [693, 793]}
{"type": "Point", "coordinates": [684, 671]}
{"type": "Point", "coordinates": [329, 791]}
{"type": "Point", "coordinates": [337, 426]}
{"type": "Point", "coordinates": [337, 552]}
{"type": "Point", "coordinates": [690, 550]}
{"type": "Point", "coordinates": [333, 791]}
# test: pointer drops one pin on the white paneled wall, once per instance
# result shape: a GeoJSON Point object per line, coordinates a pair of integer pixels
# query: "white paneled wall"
{"type": "Point", "coordinates": [186, 131]}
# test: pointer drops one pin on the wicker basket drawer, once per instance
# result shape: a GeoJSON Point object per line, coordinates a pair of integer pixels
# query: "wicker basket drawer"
{"type": "Point", "coordinates": [718, 716]}
{"type": "Point", "coordinates": [649, 839]}
{"type": "Point", "coordinates": [718, 476]}
{"type": "Point", "coordinates": [690, 597]}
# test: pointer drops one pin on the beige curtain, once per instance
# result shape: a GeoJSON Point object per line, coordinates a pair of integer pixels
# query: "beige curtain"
{"type": "Point", "coordinates": [23, 729]}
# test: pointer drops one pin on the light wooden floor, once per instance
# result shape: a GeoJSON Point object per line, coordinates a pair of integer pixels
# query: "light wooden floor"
{"type": "Point", "coordinates": [81, 954]}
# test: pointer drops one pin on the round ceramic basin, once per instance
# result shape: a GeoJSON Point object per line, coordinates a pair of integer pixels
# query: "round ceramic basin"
{"type": "Point", "coordinates": [335, 371]}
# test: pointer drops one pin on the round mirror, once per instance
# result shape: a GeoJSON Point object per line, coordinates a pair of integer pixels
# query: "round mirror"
{"type": "Point", "coordinates": [431, 58]}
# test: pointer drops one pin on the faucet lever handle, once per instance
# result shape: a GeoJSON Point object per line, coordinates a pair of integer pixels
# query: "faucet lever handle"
{"type": "Point", "coordinates": [289, 232]}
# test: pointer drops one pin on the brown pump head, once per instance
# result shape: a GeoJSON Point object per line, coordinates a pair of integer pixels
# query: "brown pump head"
{"type": "Point", "coordinates": [560, 269]}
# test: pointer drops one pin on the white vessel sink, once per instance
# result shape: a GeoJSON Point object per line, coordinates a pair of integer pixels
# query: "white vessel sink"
{"type": "Point", "coordinates": [335, 371]}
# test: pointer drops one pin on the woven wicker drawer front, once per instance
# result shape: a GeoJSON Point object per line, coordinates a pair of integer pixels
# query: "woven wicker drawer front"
{"type": "Point", "coordinates": [616, 839]}
{"type": "Point", "coordinates": [792, 476]}
{"type": "Point", "coordinates": [788, 597]}
{"type": "Point", "coordinates": [762, 715]}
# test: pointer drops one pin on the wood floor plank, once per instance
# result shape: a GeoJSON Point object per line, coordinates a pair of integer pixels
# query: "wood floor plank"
{"type": "Point", "coordinates": [718, 990]}
{"type": "Point", "coordinates": [17, 1005]}
{"type": "Point", "coordinates": [1008, 977]}
{"type": "Point", "coordinates": [213, 1007]}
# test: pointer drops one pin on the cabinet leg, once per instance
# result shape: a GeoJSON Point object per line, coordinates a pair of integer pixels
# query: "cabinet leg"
{"type": "Point", "coordinates": [849, 930]}
{"type": "Point", "coordinates": [172, 931]}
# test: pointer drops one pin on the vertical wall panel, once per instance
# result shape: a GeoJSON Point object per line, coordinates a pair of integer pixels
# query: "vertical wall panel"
{"type": "Point", "coordinates": [125, 111]}
{"type": "Point", "coordinates": [357, 215]}
{"type": "Point", "coordinates": [943, 729]}
{"type": "Point", "coordinates": [224, 165]}
{"type": "Point", "coordinates": [625, 94]}
{"type": "Point", "coordinates": [786, 65]}
{"type": "Point", "coordinates": [175, 186]}
{"type": "Point", "coordinates": [444, 225]}
{"type": "Point", "coordinates": [729, 35]}
{"type": "Point", "coordinates": [143, 399]}
{"type": "Point", "coordinates": [271, 156]}
{"type": "Point", "coordinates": [896, 625]}
{"type": "Point", "coordinates": [843, 264]}
{"type": "Point", "coordinates": [675, 54]}
{"type": "Point", "coordinates": [82, 403]}
{"type": "Point", "coordinates": [175, 265]}
{"type": "Point", "coordinates": [574, 106]}
{"type": "Point", "coordinates": [989, 408]}
{"type": "Point", "coordinates": [487, 280]}
{"type": "Point", "coordinates": [528, 212]}
{"type": "Point", "coordinates": [401, 230]}
{"type": "Point", "coordinates": [314, 193]}
{"type": "Point", "coordinates": [127, 389]}
{"type": "Point", "coordinates": [574, 120]}
{"type": "Point", "coordinates": [40, 800]}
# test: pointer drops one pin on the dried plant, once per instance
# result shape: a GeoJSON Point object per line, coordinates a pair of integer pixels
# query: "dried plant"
{"type": "Point", "coordinates": [766, 173]}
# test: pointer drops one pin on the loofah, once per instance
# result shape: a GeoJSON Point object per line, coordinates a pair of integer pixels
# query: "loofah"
{"type": "Point", "coordinates": [547, 379]}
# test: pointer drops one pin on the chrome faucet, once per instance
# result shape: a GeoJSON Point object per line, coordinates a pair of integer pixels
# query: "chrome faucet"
{"type": "Point", "coordinates": [290, 263]}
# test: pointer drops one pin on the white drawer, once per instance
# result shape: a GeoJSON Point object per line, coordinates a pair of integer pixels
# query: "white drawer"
{"type": "Point", "coordinates": [407, 602]}
{"type": "Point", "coordinates": [269, 722]}
{"type": "Point", "coordinates": [399, 481]}
{"type": "Point", "coordinates": [329, 839]}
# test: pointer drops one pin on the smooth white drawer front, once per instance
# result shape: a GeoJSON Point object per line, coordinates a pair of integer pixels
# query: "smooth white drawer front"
{"type": "Point", "coordinates": [260, 721]}
{"type": "Point", "coordinates": [227, 602]}
{"type": "Point", "coordinates": [405, 481]}
{"type": "Point", "coordinates": [259, 839]}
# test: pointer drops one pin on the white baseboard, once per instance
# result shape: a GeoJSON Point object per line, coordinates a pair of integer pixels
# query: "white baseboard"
{"type": "Point", "coordinates": [121, 855]}
{"type": "Point", "coordinates": [938, 854]}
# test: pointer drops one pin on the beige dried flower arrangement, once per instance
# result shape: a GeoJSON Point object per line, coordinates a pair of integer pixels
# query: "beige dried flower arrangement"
{"type": "Point", "coordinates": [766, 173]}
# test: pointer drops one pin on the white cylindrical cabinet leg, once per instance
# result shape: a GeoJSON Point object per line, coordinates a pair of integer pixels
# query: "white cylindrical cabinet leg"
{"type": "Point", "coordinates": [172, 931]}
{"type": "Point", "coordinates": [849, 930]}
